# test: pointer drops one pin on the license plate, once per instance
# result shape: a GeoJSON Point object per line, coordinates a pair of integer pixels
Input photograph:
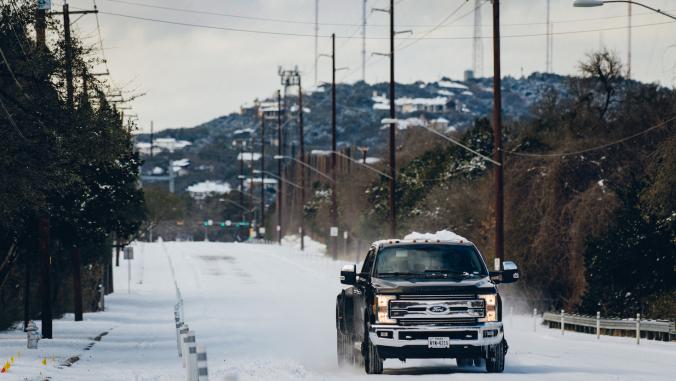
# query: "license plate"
{"type": "Point", "coordinates": [438, 342]}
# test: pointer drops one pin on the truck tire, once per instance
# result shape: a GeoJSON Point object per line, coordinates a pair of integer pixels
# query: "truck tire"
{"type": "Point", "coordinates": [373, 364]}
{"type": "Point", "coordinates": [495, 358]}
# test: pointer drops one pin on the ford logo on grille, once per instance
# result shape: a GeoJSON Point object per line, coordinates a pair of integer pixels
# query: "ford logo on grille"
{"type": "Point", "coordinates": [437, 309]}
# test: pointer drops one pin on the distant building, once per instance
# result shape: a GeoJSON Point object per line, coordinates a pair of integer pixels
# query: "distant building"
{"type": "Point", "coordinates": [247, 156]}
{"type": "Point", "coordinates": [468, 74]}
{"type": "Point", "coordinates": [408, 105]}
{"type": "Point", "coordinates": [269, 182]}
{"type": "Point", "coordinates": [160, 145]}
{"type": "Point", "coordinates": [202, 190]}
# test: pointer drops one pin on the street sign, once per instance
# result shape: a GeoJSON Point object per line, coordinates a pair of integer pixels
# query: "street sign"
{"type": "Point", "coordinates": [334, 231]}
{"type": "Point", "coordinates": [345, 234]}
{"type": "Point", "coordinates": [129, 253]}
{"type": "Point", "coordinates": [261, 230]}
{"type": "Point", "coordinates": [45, 4]}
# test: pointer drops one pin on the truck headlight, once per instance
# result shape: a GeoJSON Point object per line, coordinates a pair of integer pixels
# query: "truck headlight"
{"type": "Point", "coordinates": [381, 307]}
{"type": "Point", "coordinates": [491, 307]}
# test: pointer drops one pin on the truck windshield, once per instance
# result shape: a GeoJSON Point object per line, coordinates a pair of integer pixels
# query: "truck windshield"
{"type": "Point", "coordinates": [429, 261]}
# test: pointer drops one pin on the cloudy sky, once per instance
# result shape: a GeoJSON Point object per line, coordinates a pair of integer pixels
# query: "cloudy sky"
{"type": "Point", "coordinates": [193, 74]}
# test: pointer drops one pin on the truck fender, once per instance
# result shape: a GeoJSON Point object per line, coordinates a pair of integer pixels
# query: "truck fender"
{"type": "Point", "coordinates": [344, 313]}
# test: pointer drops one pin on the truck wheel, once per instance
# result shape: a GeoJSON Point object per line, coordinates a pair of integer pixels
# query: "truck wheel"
{"type": "Point", "coordinates": [495, 358]}
{"type": "Point", "coordinates": [373, 364]}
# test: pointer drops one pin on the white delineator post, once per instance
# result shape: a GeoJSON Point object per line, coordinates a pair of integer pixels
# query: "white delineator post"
{"type": "Point", "coordinates": [191, 353]}
{"type": "Point", "coordinates": [638, 329]}
{"type": "Point", "coordinates": [598, 325]}
{"type": "Point", "coordinates": [563, 323]}
{"type": "Point", "coordinates": [179, 324]}
{"type": "Point", "coordinates": [184, 335]}
{"type": "Point", "coordinates": [202, 368]}
{"type": "Point", "coordinates": [535, 319]}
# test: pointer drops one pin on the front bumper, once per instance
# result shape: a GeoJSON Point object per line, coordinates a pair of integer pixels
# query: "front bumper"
{"type": "Point", "coordinates": [412, 342]}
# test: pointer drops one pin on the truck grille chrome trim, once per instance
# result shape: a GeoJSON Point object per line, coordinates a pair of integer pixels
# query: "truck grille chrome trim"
{"type": "Point", "coordinates": [437, 309]}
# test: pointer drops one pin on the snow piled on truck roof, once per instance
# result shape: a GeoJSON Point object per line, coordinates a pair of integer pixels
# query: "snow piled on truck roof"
{"type": "Point", "coordinates": [441, 235]}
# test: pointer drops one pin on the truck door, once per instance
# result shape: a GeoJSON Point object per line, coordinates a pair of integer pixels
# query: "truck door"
{"type": "Point", "coordinates": [361, 291]}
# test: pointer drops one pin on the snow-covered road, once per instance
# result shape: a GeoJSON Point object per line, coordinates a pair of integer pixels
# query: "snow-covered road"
{"type": "Point", "coordinates": [266, 312]}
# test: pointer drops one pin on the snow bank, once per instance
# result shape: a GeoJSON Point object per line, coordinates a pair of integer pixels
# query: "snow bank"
{"type": "Point", "coordinates": [311, 246]}
{"type": "Point", "coordinates": [442, 235]}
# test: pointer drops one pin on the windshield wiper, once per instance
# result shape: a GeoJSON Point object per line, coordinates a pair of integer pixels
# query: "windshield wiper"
{"type": "Point", "coordinates": [446, 272]}
{"type": "Point", "coordinates": [395, 274]}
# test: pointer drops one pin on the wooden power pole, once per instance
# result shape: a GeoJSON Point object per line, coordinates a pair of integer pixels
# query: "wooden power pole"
{"type": "Point", "coordinates": [497, 139]}
{"type": "Point", "coordinates": [334, 207]}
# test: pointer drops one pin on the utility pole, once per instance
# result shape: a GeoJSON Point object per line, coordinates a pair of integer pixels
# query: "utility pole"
{"type": "Point", "coordinates": [393, 124]}
{"type": "Point", "coordinates": [251, 202]}
{"type": "Point", "coordinates": [393, 127]}
{"type": "Point", "coordinates": [548, 58]}
{"type": "Point", "coordinates": [152, 137]}
{"type": "Point", "coordinates": [477, 42]}
{"type": "Point", "coordinates": [28, 261]}
{"type": "Point", "coordinates": [262, 223]}
{"type": "Point", "coordinates": [77, 283]}
{"type": "Point", "coordinates": [334, 207]}
{"type": "Point", "coordinates": [45, 277]}
{"type": "Point", "coordinates": [240, 144]}
{"type": "Point", "coordinates": [302, 159]}
{"type": "Point", "coordinates": [69, 60]}
{"type": "Point", "coordinates": [279, 168]}
{"type": "Point", "coordinates": [316, 38]}
{"type": "Point", "coordinates": [628, 40]}
{"type": "Point", "coordinates": [70, 105]}
{"type": "Point", "coordinates": [41, 25]}
{"type": "Point", "coordinates": [363, 40]}
{"type": "Point", "coordinates": [497, 139]}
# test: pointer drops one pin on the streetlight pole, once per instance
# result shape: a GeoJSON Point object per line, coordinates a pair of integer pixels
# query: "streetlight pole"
{"type": "Point", "coordinates": [497, 139]}
{"type": "Point", "coordinates": [598, 3]}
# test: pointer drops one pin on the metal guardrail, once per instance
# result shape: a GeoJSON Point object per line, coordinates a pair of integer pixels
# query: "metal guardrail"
{"type": "Point", "coordinates": [650, 329]}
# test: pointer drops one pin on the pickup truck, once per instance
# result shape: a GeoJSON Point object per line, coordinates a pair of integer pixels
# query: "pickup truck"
{"type": "Point", "coordinates": [422, 299]}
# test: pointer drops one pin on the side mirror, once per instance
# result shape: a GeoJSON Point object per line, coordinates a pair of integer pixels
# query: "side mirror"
{"type": "Point", "coordinates": [510, 272]}
{"type": "Point", "coordinates": [348, 275]}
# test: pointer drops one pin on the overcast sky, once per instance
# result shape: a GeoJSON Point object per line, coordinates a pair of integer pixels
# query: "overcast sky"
{"type": "Point", "coordinates": [193, 74]}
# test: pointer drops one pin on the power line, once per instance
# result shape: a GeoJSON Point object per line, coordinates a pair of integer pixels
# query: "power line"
{"type": "Point", "coordinates": [303, 22]}
{"type": "Point", "coordinates": [446, 18]}
{"type": "Point", "coordinates": [278, 33]}
{"type": "Point", "coordinates": [606, 145]}
{"type": "Point", "coordinates": [11, 120]}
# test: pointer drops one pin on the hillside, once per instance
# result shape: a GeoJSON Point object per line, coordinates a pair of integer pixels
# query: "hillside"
{"type": "Point", "coordinates": [359, 111]}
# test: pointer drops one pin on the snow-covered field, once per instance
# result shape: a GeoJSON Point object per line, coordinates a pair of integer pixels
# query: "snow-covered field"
{"type": "Point", "coordinates": [266, 312]}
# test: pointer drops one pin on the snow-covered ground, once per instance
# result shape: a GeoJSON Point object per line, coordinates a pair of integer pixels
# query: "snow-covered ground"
{"type": "Point", "coordinates": [266, 312]}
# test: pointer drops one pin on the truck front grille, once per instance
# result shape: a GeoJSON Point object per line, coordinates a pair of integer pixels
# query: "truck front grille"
{"type": "Point", "coordinates": [437, 308]}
